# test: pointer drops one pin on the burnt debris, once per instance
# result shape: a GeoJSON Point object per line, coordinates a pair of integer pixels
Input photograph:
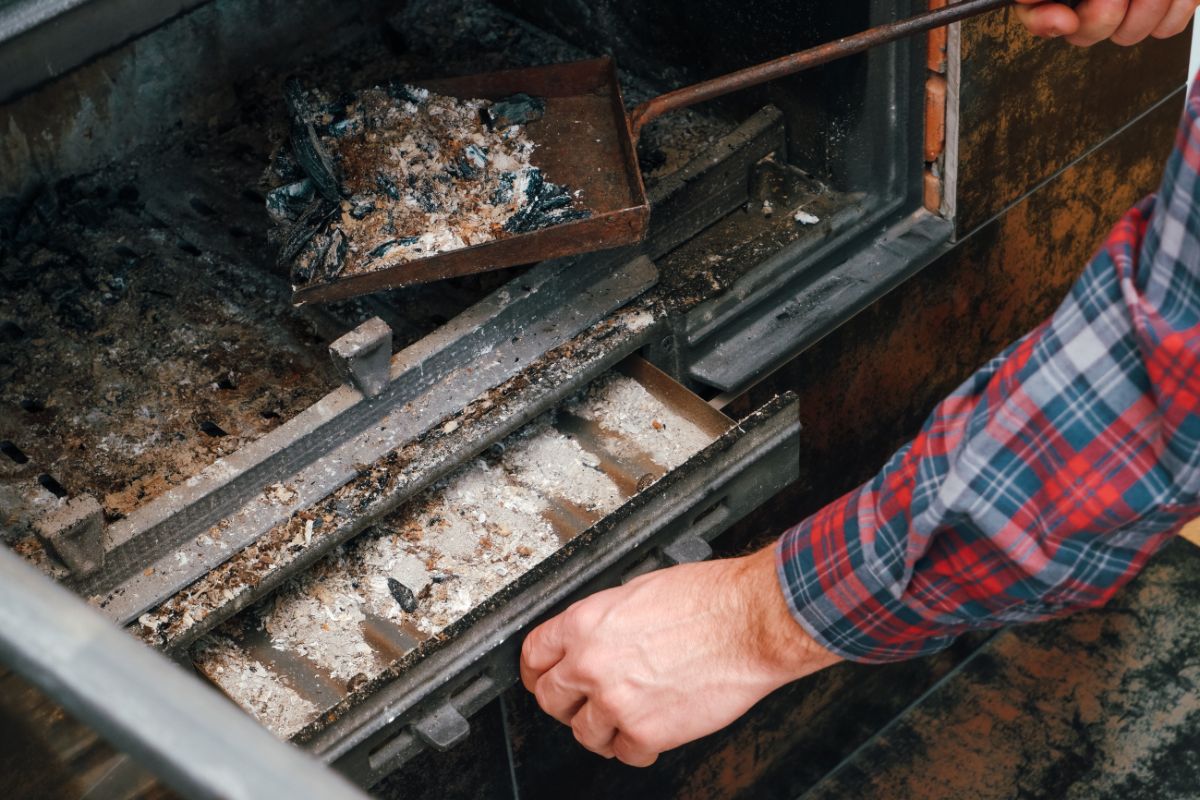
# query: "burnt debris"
{"type": "Point", "coordinates": [520, 109]}
{"type": "Point", "coordinates": [394, 173]}
{"type": "Point", "coordinates": [404, 596]}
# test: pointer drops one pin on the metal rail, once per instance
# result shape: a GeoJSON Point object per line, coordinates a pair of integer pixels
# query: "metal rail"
{"type": "Point", "coordinates": [806, 59]}
{"type": "Point", "coordinates": [186, 733]}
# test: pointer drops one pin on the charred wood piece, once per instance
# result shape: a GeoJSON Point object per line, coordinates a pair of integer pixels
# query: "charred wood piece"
{"type": "Point", "coordinates": [403, 595]}
{"type": "Point", "coordinates": [306, 144]}
{"type": "Point", "coordinates": [520, 109]}
{"type": "Point", "coordinates": [286, 203]}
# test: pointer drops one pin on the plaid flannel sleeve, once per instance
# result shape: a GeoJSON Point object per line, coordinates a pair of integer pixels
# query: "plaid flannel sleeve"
{"type": "Point", "coordinates": [1045, 482]}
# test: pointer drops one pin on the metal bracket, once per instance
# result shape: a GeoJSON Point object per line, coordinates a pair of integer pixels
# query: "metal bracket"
{"type": "Point", "coordinates": [363, 356]}
{"type": "Point", "coordinates": [75, 533]}
{"type": "Point", "coordinates": [687, 550]}
{"type": "Point", "coordinates": [443, 729]}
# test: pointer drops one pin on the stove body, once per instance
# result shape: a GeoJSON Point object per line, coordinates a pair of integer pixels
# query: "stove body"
{"type": "Point", "coordinates": [181, 437]}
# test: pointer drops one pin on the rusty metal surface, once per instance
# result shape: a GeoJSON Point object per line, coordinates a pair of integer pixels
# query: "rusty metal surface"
{"type": "Point", "coordinates": [582, 143]}
{"type": "Point", "coordinates": [1029, 107]}
{"type": "Point", "coordinates": [807, 59]}
{"type": "Point", "coordinates": [1105, 704]}
{"type": "Point", "coordinates": [873, 381]}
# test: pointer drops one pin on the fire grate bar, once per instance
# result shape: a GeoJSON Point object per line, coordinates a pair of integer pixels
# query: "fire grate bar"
{"type": "Point", "coordinates": [191, 529]}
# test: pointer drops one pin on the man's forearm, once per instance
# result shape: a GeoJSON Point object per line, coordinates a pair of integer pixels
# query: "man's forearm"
{"type": "Point", "coordinates": [1048, 479]}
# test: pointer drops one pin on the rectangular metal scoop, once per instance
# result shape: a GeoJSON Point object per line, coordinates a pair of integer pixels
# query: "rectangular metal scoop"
{"type": "Point", "coordinates": [585, 141]}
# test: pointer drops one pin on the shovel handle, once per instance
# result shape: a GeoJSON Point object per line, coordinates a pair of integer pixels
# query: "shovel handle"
{"type": "Point", "coordinates": [797, 62]}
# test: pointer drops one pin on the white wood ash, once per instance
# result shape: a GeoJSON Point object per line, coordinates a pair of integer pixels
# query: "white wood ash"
{"type": "Point", "coordinates": [453, 547]}
{"type": "Point", "coordinates": [625, 408]}
{"type": "Point", "coordinates": [414, 174]}
{"type": "Point", "coordinates": [254, 687]}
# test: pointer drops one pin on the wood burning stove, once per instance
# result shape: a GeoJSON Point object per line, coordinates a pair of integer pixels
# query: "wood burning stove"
{"type": "Point", "coordinates": [300, 503]}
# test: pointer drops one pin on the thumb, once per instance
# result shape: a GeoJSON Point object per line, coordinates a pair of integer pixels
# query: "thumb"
{"type": "Point", "coordinates": [1047, 20]}
{"type": "Point", "coordinates": [542, 649]}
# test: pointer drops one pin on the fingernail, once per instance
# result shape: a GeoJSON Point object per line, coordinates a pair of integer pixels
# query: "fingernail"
{"type": "Point", "coordinates": [1053, 33]}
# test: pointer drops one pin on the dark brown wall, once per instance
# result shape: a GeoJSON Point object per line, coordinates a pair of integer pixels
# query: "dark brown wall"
{"type": "Point", "coordinates": [1029, 107]}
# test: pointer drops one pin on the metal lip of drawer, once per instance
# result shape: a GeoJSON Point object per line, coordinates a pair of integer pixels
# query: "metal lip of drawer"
{"type": "Point", "coordinates": [425, 699]}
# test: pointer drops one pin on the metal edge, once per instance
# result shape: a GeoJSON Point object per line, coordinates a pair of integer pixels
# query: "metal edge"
{"type": "Point", "coordinates": [793, 317]}
{"type": "Point", "coordinates": [555, 242]}
{"type": "Point", "coordinates": [175, 726]}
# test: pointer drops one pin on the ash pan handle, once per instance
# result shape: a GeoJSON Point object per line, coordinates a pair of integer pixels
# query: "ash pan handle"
{"type": "Point", "coordinates": [813, 57]}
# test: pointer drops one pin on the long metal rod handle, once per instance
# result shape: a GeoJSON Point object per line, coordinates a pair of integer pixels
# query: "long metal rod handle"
{"type": "Point", "coordinates": [805, 59]}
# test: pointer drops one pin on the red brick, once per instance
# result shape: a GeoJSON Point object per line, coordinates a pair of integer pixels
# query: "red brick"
{"type": "Point", "coordinates": [936, 58]}
{"type": "Point", "coordinates": [935, 116]}
{"type": "Point", "coordinates": [933, 192]}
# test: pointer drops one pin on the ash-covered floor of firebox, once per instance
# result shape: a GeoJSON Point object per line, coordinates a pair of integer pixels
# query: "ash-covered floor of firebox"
{"type": "Point", "coordinates": [331, 632]}
{"type": "Point", "coordinates": [144, 332]}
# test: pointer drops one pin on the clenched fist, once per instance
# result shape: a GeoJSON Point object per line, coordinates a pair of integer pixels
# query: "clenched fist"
{"type": "Point", "coordinates": [669, 657]}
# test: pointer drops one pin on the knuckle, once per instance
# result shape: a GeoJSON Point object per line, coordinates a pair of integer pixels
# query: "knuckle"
{"type": "Point", "coordinates": [638, 738]}
{"type": "Point", "coordinates": [527, 646]}
{"type": "Point", "coordinates": [543, 693]}
{"type": "Point", "coordinates": [589, 669]}
{"type": "Point", "coordinates": [582, 616]}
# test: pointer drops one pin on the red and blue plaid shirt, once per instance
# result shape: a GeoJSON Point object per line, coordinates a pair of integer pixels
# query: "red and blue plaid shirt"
{"type": "Point", "coordinates": [1045, 482]}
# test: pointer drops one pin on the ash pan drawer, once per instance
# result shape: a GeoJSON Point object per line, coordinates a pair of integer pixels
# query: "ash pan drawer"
{"type": "Point", "coordinates": [390, 644]}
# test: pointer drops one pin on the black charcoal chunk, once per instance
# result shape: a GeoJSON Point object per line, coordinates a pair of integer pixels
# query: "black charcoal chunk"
{"type": "Point", "coordinates": [403, 595]}
{"type": "Point", "coordinates": [548, 204]}
{"type": "Point", "coordinates": [306, 145]}
{"type": "Point", "coordinates": [335, 254]}
{"type": "Point", "coordinates": [286, 203]}
{"type": "Point", "coordinates": [311, 258]}
{"type": "Point", "coordinates": [361, 206]}
{"type": "Point", "coordinates": [504, 191]}
{"type": "Point", "coordinates": [388, 246]}
{"type": "Point", "coordinates": [462, 169]}
{"type": "Point", "coordinates": [405, 93]}
{"type": "Point", "coordinates": [388, 186]}
{"type": "Point", "coordinates": [518, 109]}
{"type": "Point", "coordinates": [298, 251]}
{"type": "Point", "coordinates": [285, 165]}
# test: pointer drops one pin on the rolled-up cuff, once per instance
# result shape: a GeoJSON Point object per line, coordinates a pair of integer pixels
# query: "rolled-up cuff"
{"type": "Point", "coordinates": [838, 600]}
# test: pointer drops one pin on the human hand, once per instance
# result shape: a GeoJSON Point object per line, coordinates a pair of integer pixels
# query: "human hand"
{"type": "Point", "coordinates": [1126, 22]}
{"type": "Point", "coordinates": [669, 657]}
